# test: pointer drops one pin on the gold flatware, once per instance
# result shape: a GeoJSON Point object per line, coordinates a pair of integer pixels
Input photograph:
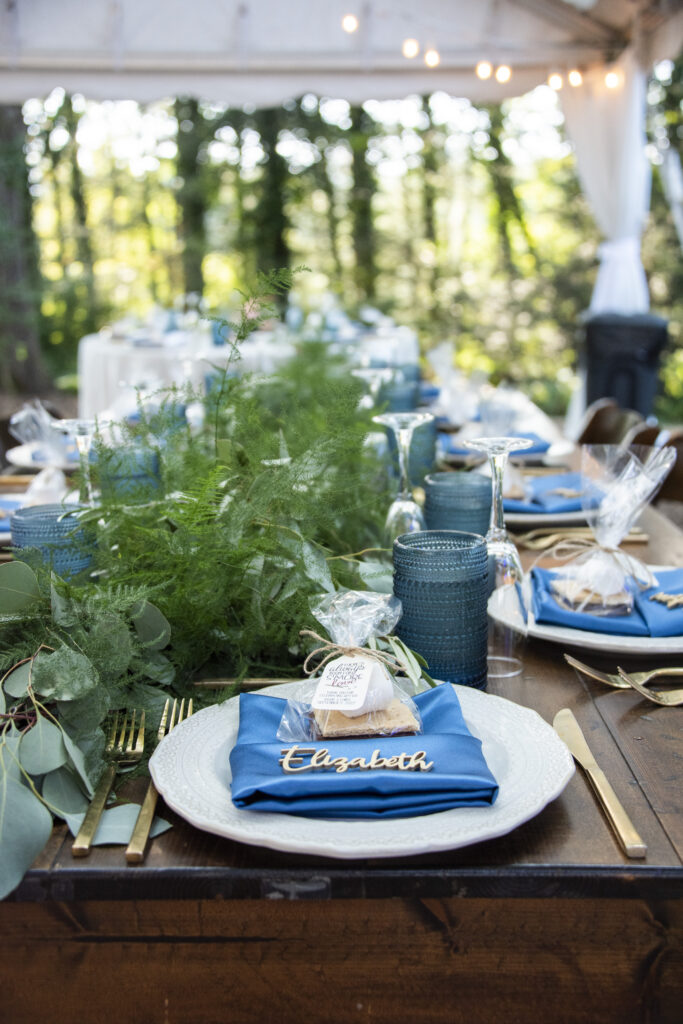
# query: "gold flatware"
{"type": "Point", "coordinates": [667, 698]}
{"type": "Point", "coordinates": [253, 683]}
{"type": "Point", "coordinates": [122, 753]}
{"type": "Point", "coordinates": [540, 539]}
{"type": "Point", "coordinates": [642, 678]}
{"type": "Point", "coordinates": [135, 852]}
{"type": "Point", "coordinates": [569, 730]}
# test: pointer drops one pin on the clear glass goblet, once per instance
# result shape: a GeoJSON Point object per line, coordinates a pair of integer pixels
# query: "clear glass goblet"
{"type": "Point", "coordinates": [404, 515]}
{"type": "Point", "coordinates": [82, 431]}
{"type": "Point", "coordinates": [504, 561]}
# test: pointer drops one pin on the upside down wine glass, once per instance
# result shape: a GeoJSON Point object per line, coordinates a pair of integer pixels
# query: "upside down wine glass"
{"type": "Point", "coordinates": [504, 563]}
{"type": "Point", "coordinates": [83, 432]}
{"type": "Point", "coordinates": [404, 515]}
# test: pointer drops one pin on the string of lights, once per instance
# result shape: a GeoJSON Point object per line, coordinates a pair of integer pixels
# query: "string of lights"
{"type": "Point", "coordinates": [485, 69]}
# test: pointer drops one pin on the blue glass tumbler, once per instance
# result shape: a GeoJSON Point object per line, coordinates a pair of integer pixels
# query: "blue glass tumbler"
{"type": "Point", "coordinates": [441, 579]}
{"type": "Point", "coordinates": [51, 536]}
{"type": "Point", "coordinates": [131, 475]}
{"type": "Point", "coordinates": [458, 501]}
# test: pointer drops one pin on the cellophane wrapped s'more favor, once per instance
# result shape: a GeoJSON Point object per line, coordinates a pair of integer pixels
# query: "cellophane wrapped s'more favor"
{"type": "Point", "coordinates": [355, 692]}
{"type": "Point", "coordinates": [617, 485]}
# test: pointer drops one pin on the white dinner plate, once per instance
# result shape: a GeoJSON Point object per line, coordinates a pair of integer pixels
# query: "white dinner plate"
{"type": "Point", "coordinates": [23, 456]}
{"type": "Point", "coordinates": [504, 609]}
{"type": "Point", "coordinates": [576, 518]}
{"type": "Point", "coordinates": [191, 770]}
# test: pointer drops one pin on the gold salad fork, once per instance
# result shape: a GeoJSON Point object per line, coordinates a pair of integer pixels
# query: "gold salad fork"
{"type": "Point", "coordinates": [135, 852]}
{"type": "Point", "coordinates": [619, 683]}
{"type": "Point", "coordinates": [667, 698]}
{"type": "Point", "coordinates": [121, 753]}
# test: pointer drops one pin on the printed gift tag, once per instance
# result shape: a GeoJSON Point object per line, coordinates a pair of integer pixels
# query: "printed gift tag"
{"type": "Point", "coordinates": [343, 686]}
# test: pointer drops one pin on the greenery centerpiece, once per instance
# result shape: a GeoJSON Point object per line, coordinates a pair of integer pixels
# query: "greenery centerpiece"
{"type": "Point", "coordinates": [275, 498]}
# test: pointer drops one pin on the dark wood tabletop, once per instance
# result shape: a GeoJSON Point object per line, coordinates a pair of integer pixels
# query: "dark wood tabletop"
{"type": "Point", "coordinates": [548, 923]}
{"type": "Point", "coordinates": [566, 850]}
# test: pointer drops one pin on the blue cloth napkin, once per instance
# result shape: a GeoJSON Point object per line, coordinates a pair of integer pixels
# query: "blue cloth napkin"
{"type": "Point", "coordinates": [452, 446]}
{"type": "Point", "coordinates": [648, 618]}
{"type": "Point", "coordinates": [541, 499]}
{"type": "Point", "coordinates": [460, 776]}
{"type": "Point", "coordinates": [11, 504]}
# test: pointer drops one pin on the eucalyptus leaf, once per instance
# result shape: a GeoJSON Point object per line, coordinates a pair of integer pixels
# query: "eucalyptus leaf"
{"type": "Point", "coordinates": [116, 824]}
{"type": "Point", "coordinates": [25, 824]}
{"type": "Point", "coordinates": [17, 680]}
{"type": "Point", "coordinates": [151, 626]}
{"type": "Point", "coordinates": [18, 587]}
{"type": "Point", "coordinates": [110, 645]}
{"type": "Point", "coordinates": [316, 567]}
{"type": "Point", "coordinates": [3, 705]}
{"type": "Point", "coordinates": [63, 610]}
{"type": "Point", "coordinates": [377, 576]}
{"type": "Point", "coordinates": [156, 666]}
{"type": "Point", "coordinates": [85, 714]}
{"type": "Point", "coordinates": [64, 675]}
{"type": "Point", "coordinates": [42, 747]}
{"type": "Point", "coordinates": [77, 758]}
{"type": "Point", "coordinates": [62, 791]}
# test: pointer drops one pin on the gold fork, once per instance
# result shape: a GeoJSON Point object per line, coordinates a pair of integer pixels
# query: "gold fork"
{"type": "Point", "coordinates": [122, 753]}
{"type": "Point", "coordinates": [667, 698]}
{"type": "Point", "coordinates": [642, 678]}
{"type": "Point", "coordinates": [135, 852]}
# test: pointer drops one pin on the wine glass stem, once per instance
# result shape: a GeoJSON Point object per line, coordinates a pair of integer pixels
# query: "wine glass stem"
{"type": "Point", "coordinates": [498, 462]}
{"type": "Point", "coordinates": [403, 438]}
{"type": "Point", "coordinates": [85, 494]}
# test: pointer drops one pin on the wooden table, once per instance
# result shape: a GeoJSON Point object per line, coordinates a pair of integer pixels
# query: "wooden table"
{"type": "Point", "coordinates": [549, 923]}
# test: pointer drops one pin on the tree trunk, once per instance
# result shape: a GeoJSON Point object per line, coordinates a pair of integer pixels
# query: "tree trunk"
{"type": "Point", "coordinates": [270, 217]}
{"type": "Point", "coordinates": [190, 195]}
{"type": "Point", "coordinates": [361, 206]}
{"type": "Point", "coordinates": [22, 367]}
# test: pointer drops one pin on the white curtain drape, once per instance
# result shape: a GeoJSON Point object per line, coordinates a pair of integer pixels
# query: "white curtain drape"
{"type": "Point", "coordinates": [607, 129]}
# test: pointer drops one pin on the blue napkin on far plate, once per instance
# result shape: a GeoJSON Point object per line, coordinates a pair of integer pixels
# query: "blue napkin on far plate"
{"type": "Point", "coordinates": [453, 446]}
{"type": "Point", "coordinates": [541, 498]}
{"type": "Point", "coordinates": [11, 504]}
{"type": "Point", "coordinates": [460, 776]}
{"type": "Point", "coordinates": [648, 618]}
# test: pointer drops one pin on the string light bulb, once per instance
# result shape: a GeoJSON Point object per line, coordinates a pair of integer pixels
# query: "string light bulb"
{"type": "Point", "coordinates": [484, 70]}
{"type": "Point", "coordinates": [432, 58]}
{"type": "Point", "coordinates": [410, 48]}
{"type": "Point", "coordinates": [612, 80]}
{"type": "Point", "coordinates": [575, 78]}
{"type": "Point", "coordinates": [555, 81]}
{"type": "Point", "coordinates": [350, 23]}
{"type": "Point", "coordinates": [503, 73]}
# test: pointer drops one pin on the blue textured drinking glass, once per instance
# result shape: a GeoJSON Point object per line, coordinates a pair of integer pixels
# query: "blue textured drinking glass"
{"type": "Point", "coordinates": [131, 475]}
{"type": "Point", "coordinates": [51, 536]}
{"type": "Point", "coordinates": [441, 579]}
{"type": "Point", "coordinates": [458, 501]}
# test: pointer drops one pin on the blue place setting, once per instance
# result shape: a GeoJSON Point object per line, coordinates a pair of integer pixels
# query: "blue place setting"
{"type": "Point", "coordinates": [654, 618]}
{"type": "Point", "coordinates": [561, 492]}
{"type": "Point", "coordinates": [457, 776]}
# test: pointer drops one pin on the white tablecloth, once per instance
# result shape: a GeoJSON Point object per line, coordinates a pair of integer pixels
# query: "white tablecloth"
{"type": "Point", "coordinates": [107, 366]}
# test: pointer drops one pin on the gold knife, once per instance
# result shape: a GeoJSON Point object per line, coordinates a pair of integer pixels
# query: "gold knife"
{"type": "Point", "coordinates": [569, 730]}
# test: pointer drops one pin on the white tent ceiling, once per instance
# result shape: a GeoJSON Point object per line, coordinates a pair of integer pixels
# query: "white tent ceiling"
{"type": "Point", "coordinates": [263, 52]}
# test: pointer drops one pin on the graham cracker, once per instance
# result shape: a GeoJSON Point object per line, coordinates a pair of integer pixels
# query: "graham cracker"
{"type": "Point", "coordinates": [395, 719]}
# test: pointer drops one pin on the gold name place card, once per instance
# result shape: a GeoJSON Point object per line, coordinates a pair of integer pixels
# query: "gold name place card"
{"type": "Point", "coordinates": [670, 600]}
{"type": "Point", "coordinates": [294, 759]}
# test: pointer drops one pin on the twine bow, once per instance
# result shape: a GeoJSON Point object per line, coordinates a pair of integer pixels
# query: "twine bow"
{"type": "Point", "coordinates": [331, 650]}
{"type": "Point", "coordinates": [564, 550]}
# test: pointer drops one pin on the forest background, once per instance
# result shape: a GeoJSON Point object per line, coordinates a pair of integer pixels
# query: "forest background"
{"type": "Point", "coordinates": [466, 223]}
